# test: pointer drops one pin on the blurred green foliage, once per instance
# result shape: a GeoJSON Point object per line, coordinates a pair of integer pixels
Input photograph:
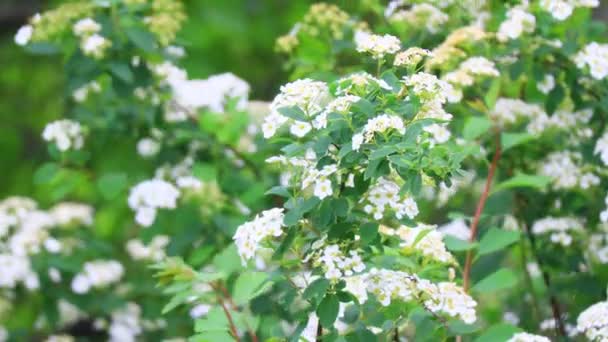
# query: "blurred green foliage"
{"type": "Point", "coordinates": [220, 36]}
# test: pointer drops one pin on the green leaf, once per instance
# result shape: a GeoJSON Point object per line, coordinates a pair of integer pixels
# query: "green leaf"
{"type": "Point", "coordinates": [492, 94]}
{"type": "Point", "coordinates": [42, 48]}
{"type": "Point", "coordinates": [524, 181]}
{"type": "Point", "coordinates": [498, 332]}
{"type": "Point", "coordinates": [382, 152]}
{"type": "Point", "coordinates": [205, 172]}
{"type": "Point", "coordinates": [122, 71]}
{"type": "Point", "coordinates": [141, 38]}
{"type": "Point", "coordinates": [293, 112]}
{"type": "Point", "coordinates": [475, 126]}
{"type": "Point", "coordinates": [316, 289]}
{"type": "Point", "coordinates": [502, 279]}
{"type": "Point", "coordinates": [509, 140]}
{"type": "Point", "coordinates": [368, 232]}
{"type": "Point", "coordinates": [457, 245]}
{"type": "Point", "coordinates": [328, 310]}
{"type": "Point", "coordinates": [461, 328]}
{"type": "Point", "coordinates": [228, 260]}
{"type": "Point", "coordinates": [214, 321]}
{"type": "Point", "coordinates": [279, 191]}
{"type": "Point", "coordinates": [111, 185]}
{"type": "Point", "coordinates": [248, 286]}
{"type": "Point", "coordinates": [496, 239]}
{"type": "Point", "coordinates": [46, 173]}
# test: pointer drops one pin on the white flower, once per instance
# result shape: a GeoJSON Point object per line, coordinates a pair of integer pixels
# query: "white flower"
{"type": "Point", "coordinates": [97, 274]}
{"type": "Point", "coordinates": [430, 245]}
{"type": "Point", "coordinates": [376, 45]}
{"type": "Point", "coordinates": [601, 148]}
{"type": "Point", "coordinates": [24, 34]}
{"type": "Point", "coordinates": [357, 141]}
{"type": "Point", "coordinates": [323, 188]}
{"type": "Point", "coordinates": [427, 87]}
{"type": "Point", "coordinates": [518, 21]}
{"type": "Point", "coordinates": [562, 9]}
{"type": "Point", "coordinates": [250, 235]}
{"type": "Point", "coordinates": [411, 57]}
{"type": "Point", "coordinates": [422, 14]}
{"type": "Point", "coordinates": [457, 228]}
{"type": "Point", "coordinates": [300, 128]}
{"type": "Point", "coordinates": [526, 337]}
{"type": "Point", "coordinates": [309, 96]}
{"type": "Point", "coordinates": [68, 213]}
{"type": "Point", "coordinates": [154, 251]}
{"type": "Point", "coordinates": [148, 196]}
{"type": "Point", "coordinates": [593, 322]}
{"type": "Point", "coordinates": [148, 147]}
{"type": "Point", "coordinates": [86, 27]}
{"type": "Point", "coordinates": [385, 195]}
{"type": "Point", "coordinates": [94, 45]}
{"type": "Point", "coordinates": [595, 56]}
{"type": "Point", "coordinates": [66, 134]}
{"type": "Point", "coordinates": [81, 94]}
{"type": "Point", "coordinates": [547, 84]}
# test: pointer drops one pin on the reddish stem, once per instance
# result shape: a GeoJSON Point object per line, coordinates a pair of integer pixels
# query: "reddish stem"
{"type": "Point", "coordinates": [480, 205]}
{"type": "Point", "coordinates": [230, 321]}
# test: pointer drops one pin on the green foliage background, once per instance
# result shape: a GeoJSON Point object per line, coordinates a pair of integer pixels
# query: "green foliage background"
{"type": "Point", "coordinates": [220, 36]}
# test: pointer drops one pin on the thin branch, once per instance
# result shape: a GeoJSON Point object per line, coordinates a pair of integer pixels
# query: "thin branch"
{"type": "Point", "coordinates": [230, 321]}
{"type": "Point", "coordinates": [480, 205]}
{"type": "Point", "coordinates": [251, 333]}
{"type": "Point", "coordinates": [319, 332]}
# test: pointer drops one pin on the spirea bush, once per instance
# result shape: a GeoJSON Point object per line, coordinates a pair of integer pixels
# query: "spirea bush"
{"type": "Point", "coordinates": [144, 164]}
{"type": "Point", "coordinates": [443, 177]}
{"type": "Point", "coordinates": [435, 170]}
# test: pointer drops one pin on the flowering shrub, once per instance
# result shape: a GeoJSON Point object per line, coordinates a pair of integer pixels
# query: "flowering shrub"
{"type": "Point", "coordinates": [145, 164]}
{"type": "Point", "coordinates": [439, 164]}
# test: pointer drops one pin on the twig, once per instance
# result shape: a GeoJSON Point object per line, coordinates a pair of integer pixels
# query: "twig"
{"type": "Point", "coordinates": [230, 321]}
{"type": "Point", "coordinates": [319, 332]}
{"type": "Point", "coordinates": [480, 205]}
{"type": "Point", "coordinates": [251, 333]}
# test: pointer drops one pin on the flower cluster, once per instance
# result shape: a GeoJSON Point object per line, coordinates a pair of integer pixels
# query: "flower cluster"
{"type": "Point", "coordinates": [601, 148]}
{"type": "Point", "coordinates": [336, 264]}
{"type": "Point", "coordinates": [250, 235]}
{"type": "Point", "coordinates": [148, 196]}
{"type": "Point", "coordinates": [385, 194]}
{"type": "Point", "coordinates": [560, 228]}
{"type": "Point", "coordinates": [420, 15]}
{"type": "Point", "coordinates": [97, 274]}
{"type": "Point", "coordinates": [26, 231]}
{"type": "Point", "coordinates": [565, 171]}
{"type": "Point", "coordinates": [388, 285]}
{"type": "Point", "coordinates": [411, 57]}
{"type": "Point", "coordinates": [527, 337]}
{"type": "Point", "coordinates": [562, 9]}
{"type": "Point", "coordinates": [81, 93]}
{"type": "Point", "coordinates": [378, 46]}
{"type": "Point", "coordinates": [307, 95]}
{"type": "Point", "coordinates": [423, 238]}
{"type": "Point", "coordinates": [153, 251]}
{"type": "Point", "coordinates": [594, 56]}
{"type": "Point", "coordinates": [428, 87]}
{"type": "Point", "coordinates": [593, 322]}
{"type": "Point", "coordinates": [91, 42]}
{"type": "Point", "coordinates": [66, 134]}
{"type": "Point", "coordinates": [518, 21]}
{"type": "Point", "coordinates": [380, 124]}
